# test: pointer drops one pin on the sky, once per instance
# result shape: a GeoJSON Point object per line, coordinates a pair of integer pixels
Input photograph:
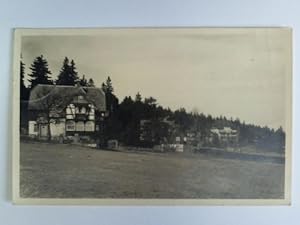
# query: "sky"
{"type": "Point", "coordinates": [238, 73]}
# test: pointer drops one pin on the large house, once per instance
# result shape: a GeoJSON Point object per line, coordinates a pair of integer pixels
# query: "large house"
{"type": "Point", "coordinates": [59, 112]}
{"type": "Point", "coordinates": [225, 136]}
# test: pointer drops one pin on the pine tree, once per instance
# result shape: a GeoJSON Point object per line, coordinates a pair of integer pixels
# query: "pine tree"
{"type": "Point", "coordinates": [74, 74]}
{"type": "Point", "coordinates": [112, 101]}
{"type": "Point", "coordinates": [24, 95]}
{"type": "Point", "coordinates": [83, 81]}
{"type": "Point", "coordinates": [150, 101]}
{"type": "Point", "coordinates": [40, 72]}
{"type": "Point", "coordinates": [138, 97]}
{"type": "Point", "coordinates": [91, 83]}
{"type": "Point", "coordinates": [103, 87]}
{"type": "Point", "coordinates": [22, 85]}
{"type": "Point", "coordinates": [68, 74]}
{"type": "Point", "coordinates": [64, 73]}
{"type": "Point", "coordinates": [109, 87]}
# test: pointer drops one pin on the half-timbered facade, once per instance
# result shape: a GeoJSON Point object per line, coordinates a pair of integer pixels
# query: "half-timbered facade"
{"type": "Point", "coordinates": [66, 112]}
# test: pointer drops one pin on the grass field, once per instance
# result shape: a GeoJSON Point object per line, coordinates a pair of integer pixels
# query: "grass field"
{"type": "Point", "coordinates": [68, 171]}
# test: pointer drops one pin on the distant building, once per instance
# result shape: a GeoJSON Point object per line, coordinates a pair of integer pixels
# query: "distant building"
{"type": "Point", "coordinates": [66, 111]}
{"type": "Point", "coordinates": [224, 137]}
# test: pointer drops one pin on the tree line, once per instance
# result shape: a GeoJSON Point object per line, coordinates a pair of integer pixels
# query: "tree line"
{"type": "Point", "coordinates": [124, 121]}
{"type": "Point", "coordinates": [126, 125]}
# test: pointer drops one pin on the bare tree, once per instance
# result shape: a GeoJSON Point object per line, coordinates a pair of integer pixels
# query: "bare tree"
{"type": "Point", "coordinates": [50, 103]}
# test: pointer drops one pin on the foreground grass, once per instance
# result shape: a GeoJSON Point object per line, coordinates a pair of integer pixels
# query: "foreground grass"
{"type": "Point", "coordinates": [67, 171]}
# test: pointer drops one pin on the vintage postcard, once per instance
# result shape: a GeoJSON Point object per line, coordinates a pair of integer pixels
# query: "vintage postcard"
{"type": "Point", "coordinates": [152, 116]}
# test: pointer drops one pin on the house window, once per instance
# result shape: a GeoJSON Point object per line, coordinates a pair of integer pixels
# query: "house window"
{"type": "Point", "coordinates": [89, 126]}
{"type": "Point", "coordinates": [92, 112]}
{"type": "Point", "coordinates": [80, 126]}
{"type": "Point", "coordinates": [91, 117]}
{"type": "Point", "coordinates": [83, 110]}
{"type": "Point", "coordinates": [92, 107]}
{"type": "Point", "coordinates": [80, 97]}
{"type": "Point", "coordinates": [70, 112]}
{"type": "Point", "coordinates": [76, 110]}
{"type": "Point", "coordinates": [70, 125]}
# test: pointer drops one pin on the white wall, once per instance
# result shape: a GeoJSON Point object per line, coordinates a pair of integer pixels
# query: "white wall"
{"type": "Point", "coordinates": [31, 130]}
{"type": "Point", "coordinates": [57, 129]}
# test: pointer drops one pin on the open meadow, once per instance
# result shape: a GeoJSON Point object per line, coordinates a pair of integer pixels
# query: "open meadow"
{"type": "Point", "coordinates": [69, 171]}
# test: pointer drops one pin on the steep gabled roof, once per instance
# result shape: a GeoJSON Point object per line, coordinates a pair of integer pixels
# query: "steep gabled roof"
{"type": "Point", "coordinates": [59, 96]}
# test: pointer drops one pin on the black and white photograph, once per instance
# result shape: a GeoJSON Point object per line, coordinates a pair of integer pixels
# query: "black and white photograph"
{"type": "Point", "coordinates": [152, 115]}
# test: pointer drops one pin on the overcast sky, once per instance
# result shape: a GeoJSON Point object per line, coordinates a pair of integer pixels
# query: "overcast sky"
{"type": "Point", "coordinates": [231, 72]}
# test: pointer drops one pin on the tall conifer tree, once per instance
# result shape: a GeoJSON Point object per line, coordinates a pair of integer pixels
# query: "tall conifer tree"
{"type": "Point", "coordinates": [40, 72]}
{"type": "Point", "coordinates": [23, 89]}
{"type": "Point", "coordinates": [68, 74]}
{"type": "Point", "coordinates": [91, 83]}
